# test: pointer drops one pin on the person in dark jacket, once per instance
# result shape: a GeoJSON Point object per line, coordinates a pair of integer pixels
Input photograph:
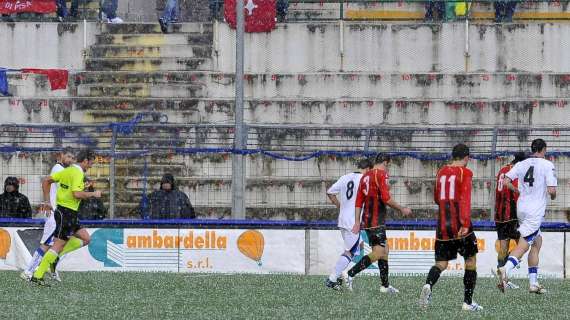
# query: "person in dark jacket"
{"type": "Point", "coordinates": [168, 202]}
{"type": "Point", "coordinates": [92, 208]}
{"type": "Point", "coordinates": [13, 204]}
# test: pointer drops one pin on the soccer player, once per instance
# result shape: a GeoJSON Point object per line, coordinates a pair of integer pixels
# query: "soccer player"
{"type": "Point", "coordinates": [536, 179]}
{"type": "Point", "coordinates": [65, 158]}
{"type": "Point", "coordinates": [346, 187]}
{"type": "Point", "coordinates": [454, 231]}
{"type": "Point", "coordinates": [68, 235]}
{"type": "Point", "coordinates": [373, 196]}
{"type": "Point", "coordinates": [506, 222]}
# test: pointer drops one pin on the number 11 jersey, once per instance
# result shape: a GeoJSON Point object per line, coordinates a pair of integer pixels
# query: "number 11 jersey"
{"type": "Point", "coordinates": [452, 193]}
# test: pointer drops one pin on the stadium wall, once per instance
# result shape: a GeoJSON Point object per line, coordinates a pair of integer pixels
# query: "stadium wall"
{"type": "Point", "coordinates": [264, 251]}
{"type": "Point", "coordinates": [45, 45]}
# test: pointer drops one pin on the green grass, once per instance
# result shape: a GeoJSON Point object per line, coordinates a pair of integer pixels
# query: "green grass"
{"type": "Point", "coordinates": [107, 295]}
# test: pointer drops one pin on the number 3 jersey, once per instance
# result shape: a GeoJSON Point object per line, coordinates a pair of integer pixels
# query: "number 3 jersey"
{"type": "Point", "coordinates": [373, 194]}
{"type": "Point", "coordinates": [534, 176]}
{"type": "Point", "coordinates": [452, 194]}
{"type": "Point", "coordinates": [346, 188]}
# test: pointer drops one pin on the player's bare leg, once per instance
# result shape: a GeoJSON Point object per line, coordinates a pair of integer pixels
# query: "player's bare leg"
{"type": "Point", "coordinates": [533, 260]}
{"type": "Point", "coordinates": [502, 255]}
{"type": "Point", "coordinates": [504, 272]}
{"type": "Point", "coordinates": [382, 254]}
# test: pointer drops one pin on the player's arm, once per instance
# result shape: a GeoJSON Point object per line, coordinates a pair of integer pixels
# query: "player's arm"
{"type": "Point", "coordinates": [508, 183]}
{"type": "Point", "coordinates": [46, 186]}
{"type": "Point", "coordinates": [334, 200]}
{"type": "Point", "coordinates": [333, 191]}
{"type": "Point", "coordinates": [551, 182]}
{"type": "Point", "coordinates": [360, 196]}
{"type": "Point", "coordinates": [77, 187]}
{"type": "Point", "coordinates": [387, 198]}
{"type": "Point", "coordinates": [510, 177]}
{"type": "Point", "coordinates": [465, 204]}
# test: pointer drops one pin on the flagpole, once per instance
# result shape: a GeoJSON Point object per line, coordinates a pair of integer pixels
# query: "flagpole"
{"type": "Point", "coordinates": [238, 159]}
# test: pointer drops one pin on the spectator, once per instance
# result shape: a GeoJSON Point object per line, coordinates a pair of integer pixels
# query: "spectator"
{"type": "Point", "coordinates": [169, 15]}
{"type": "Point", "coordinates": [62, 12]}
{"type": "Point", "coordinates": [168, 202]}
{"type": "Point", "coordinates": [109, 10]}
{"type": "Point", "coordinates": [435, 11]}
{"type": "Point", "coordinates": [91, 208]}
{"type": "Point", "coordinates": [216, 9]}
{"type": "Point", "coordinates": [504, 11]}
{"type": "Point", "coordinates": [282, 8]}
{"type": "Point", "coordinates": [13, 204]}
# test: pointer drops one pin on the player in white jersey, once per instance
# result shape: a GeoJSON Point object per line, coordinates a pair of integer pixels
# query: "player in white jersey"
{"type": "Point", "coordinates": [65, 158]}
{"type": "Point", "coordinates": [346, 188]}
{"type": "Point", "coordinates": [536, 180]}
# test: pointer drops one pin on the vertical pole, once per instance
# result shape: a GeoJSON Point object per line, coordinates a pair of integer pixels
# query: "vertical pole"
{"type": "Point", "coordinates": [493, 172]}
{"type": "Point", "coordinates": [112, 176]}
{"type": "Point", "coordinates": [238, 160]}
{"type": "Point", "coordinates": [467, 55]}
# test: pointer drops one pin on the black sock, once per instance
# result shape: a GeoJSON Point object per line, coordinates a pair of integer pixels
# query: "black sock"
{"type": "Point", "coordinates": [433, 276]}
{"type": "Point", "coordinates": [361, 265]}
{"type": "Point", "coordinates": [383, 266]}
{"type": "Point", "coordinates": [469, 281]}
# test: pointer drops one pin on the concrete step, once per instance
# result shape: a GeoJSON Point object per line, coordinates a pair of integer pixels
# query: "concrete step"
{"type": "Point", "coordinates": [152, 28]}
{"type": "Point", "coordinates": [143, 90]}
{"type": "Point", "coordinates": [194, 38]}
{"type": "Point", "coordinates": [313, 11]}
{"type": "Point", "coordinates": [348, 85]}
{"type": "Point", "coordinates": [292, 111]}
{"type": "Point", "coordinates": [147, 64]}
{"type": "Point", "coordinates": [162, 51]}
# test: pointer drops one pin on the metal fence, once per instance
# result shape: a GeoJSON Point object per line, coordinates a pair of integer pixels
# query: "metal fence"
{"type": "Point", "coordinates": [288, 168]}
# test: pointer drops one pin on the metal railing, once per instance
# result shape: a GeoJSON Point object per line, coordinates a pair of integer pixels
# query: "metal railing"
{"type": "Point", "coordinates": [288, 168]}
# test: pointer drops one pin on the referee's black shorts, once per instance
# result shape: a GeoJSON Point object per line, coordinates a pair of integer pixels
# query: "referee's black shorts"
{"type": "Point", "coordinates": [66, 223]}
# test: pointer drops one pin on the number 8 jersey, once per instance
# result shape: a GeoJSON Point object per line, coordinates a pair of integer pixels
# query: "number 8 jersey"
{"type": "Point", "coordinates": [346, 187]}
{"type": "Point", "coordinates": [452, 194]}
{"type": "Point", "coordinates": [534, 175]}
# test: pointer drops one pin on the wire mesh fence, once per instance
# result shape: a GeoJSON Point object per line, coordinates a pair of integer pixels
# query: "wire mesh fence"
{"type": "Point", "coordinates": [288, 168]}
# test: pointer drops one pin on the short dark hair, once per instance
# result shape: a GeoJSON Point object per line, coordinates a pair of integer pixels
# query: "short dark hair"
{"type": "Point", "coordinates": [518, 157]}
{"type": "Point", "coordinates": [67, 150]}
{"type": "Point", "coordinates": [382, 157]}
{"type": "Point", "coordinates": [460, 151]}
{"type": "Point", "coordinates": [537, 145]}
{"type": "Point", "coordinates": [85, 154]}
{"type": "Point", "coordinates": [364, 163]}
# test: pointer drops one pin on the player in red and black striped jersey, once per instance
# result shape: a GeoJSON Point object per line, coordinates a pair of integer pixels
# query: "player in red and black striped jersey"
{"type": "Point", "coordinates": [454, 231]}
{"type": "Point", "coordinates": [372, 199]}
{"type": "Point", "coordinates": [506, 222]}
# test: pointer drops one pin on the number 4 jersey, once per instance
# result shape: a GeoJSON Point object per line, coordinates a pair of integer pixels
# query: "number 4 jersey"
{"type": "Point", "coordinates": [453, 196]}
{"type": "Point", "coordinates": [346, 188]}
{"type": "Point", "coordinates": [534, 176]}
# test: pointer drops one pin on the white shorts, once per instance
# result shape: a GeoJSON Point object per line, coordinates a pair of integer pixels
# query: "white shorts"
{"type": "Point", "coordinates": [529, 224]}
{"type": "Point", "coordinates": [351, 241]}
{"type": "Point", "coordinates": [49, 229]}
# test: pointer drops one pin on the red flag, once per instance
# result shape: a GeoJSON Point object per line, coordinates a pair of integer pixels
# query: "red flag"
{"type": "Point", "coordinates": [57, 77]}
{"type": "Point", "coordinates": [259, 14]}
{"type": "Point", "coordinates": [17, 6]}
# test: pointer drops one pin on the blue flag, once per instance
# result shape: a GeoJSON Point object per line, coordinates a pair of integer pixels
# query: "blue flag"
{"type": "Point", "coordinates": [3, 83]}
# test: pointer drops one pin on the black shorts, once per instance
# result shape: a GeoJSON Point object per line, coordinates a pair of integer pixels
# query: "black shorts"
{"type": "Point", "coordinates": [507, 230]}
{"type": "Point", "coordinates": [376, 237]}
{"type": "Point", "coordinates": [66, 223]}
{"type": "Point", "coordinates": [446, 250]}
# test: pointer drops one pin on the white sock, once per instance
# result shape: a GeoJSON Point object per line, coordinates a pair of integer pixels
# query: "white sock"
{"type": "Point", "coordinates": [533, 276]}
{"type": "Point", "coordinates": [36, 259]}
{"type": "Point", "coordinates": [512, 262]}
{"type": "Point", "coordinates": [340, 266]}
